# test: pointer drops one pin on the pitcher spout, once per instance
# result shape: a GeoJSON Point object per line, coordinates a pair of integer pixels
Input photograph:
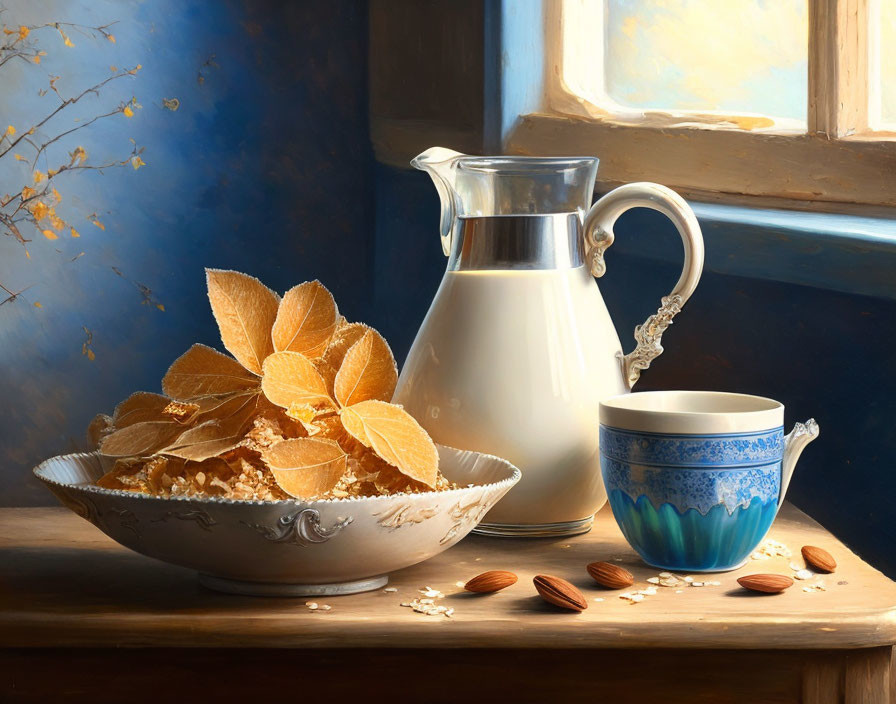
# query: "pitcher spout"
{"type": "Point", "coordinates": [439, 163]}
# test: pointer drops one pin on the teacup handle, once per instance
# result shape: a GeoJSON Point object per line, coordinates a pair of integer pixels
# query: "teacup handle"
{"type": "Point", "coordinates": [794, 444]}
{"type": "Point", "coordinates": [599, 235]}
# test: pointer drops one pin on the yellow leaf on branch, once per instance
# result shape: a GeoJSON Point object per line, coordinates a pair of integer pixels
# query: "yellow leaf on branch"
{"type": "Point", "coordinates": [127, 111]}
{"type": "Point", "coordinates": [39, 176]}
{"type": "Point", "coordinates": [50, 235]}
{"type": "Point", "coordinates": [137, 162]}
{"type": "Point", "coordinates": [75, 233]}
{"type": "Point", "coordinates": [24, 32]}
{"type": "Point", "coordinates": [27, 192]}
{"type": "Point", "coordinates": [79, 155]}
{"type": "Point", "coordinates": [111, 38]}
{"type": "Point", "coordinates": [56, 222]}
{"type": "Point", "coordinates": [19, 157]}
{"type": "Point", "coordinates": [39, 210]}
{"type": "Point", "coordinates": [10, 131]}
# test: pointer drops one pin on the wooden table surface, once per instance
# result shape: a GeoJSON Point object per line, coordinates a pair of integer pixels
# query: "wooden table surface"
{"type": "Point", "coordinates": [65, 587]}
{"type": "Point", "coordinates": [65, 583]}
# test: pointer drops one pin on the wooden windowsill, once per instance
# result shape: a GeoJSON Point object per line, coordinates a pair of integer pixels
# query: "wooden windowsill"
{"type": "Point", "coordinates": [803, 168]}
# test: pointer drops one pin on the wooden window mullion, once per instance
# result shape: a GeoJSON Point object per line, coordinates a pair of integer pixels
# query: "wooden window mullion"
{"type": "Point", "coordinates": [838, 67]}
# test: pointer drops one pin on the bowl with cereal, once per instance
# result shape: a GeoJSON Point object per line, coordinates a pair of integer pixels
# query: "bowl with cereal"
{"type": "Point", "coordinates": [281, 468]}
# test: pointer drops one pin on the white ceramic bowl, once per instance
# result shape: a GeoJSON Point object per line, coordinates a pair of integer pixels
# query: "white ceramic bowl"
{"type": "Point", "coordinates": [292, 547]}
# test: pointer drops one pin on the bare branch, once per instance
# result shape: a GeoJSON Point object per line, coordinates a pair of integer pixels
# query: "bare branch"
{"type": "Point", "coordinates": [64, 104]}
{"type": "Point", "coordinates": [59, 136]}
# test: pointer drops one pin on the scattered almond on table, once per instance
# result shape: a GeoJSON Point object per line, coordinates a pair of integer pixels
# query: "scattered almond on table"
{"type": "Point", "coordinates": [765, 583]}
{"type": "Point", "coordinates": [562, 594]}
{"type": "Point", "coordinates": [610, 576]}
{"type": "Point", "coordinates": [818, 559]}
{"type": "Point", "coordinates": [559, 592]}
{"type": "Point", "coordinates": [491, 581]}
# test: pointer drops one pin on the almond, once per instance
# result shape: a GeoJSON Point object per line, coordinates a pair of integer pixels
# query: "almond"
{"type": "Point", "coordinates": [766, 583]}
{"type": "Point", "coordinates": [559, 592]}
{"type": "Point", "coordinates": [818, 559]}
{"type": "Point", "coordinates": [491, 581]}
{"type": "Point", "coordinates": [610, 576]}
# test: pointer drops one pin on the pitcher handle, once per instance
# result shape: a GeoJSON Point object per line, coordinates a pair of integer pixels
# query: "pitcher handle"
{"type": "Point", "coordinates": [599, 235]}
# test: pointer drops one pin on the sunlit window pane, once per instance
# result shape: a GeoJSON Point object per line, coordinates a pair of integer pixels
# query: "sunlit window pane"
{"type": "Point", "coordinates": [748, 56]}
{"type": "Point", "coordinates": [886, 70]}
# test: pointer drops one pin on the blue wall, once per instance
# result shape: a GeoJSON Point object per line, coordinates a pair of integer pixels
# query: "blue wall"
{"type": "Point", "coordinates": [265, 167]}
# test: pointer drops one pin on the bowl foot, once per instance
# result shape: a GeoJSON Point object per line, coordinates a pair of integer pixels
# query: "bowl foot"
{"type": "Point", "coordinates": [535, 530]}
{"type": "Point", "coordinates": [236, 586]}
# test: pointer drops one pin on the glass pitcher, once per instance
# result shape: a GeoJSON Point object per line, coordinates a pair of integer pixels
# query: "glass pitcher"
{"type": "Point", "coordinates": [518, 349]}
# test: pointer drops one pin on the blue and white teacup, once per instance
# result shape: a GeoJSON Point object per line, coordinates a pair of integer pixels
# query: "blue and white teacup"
{"type": "Point", "coordinates": [695, 478]}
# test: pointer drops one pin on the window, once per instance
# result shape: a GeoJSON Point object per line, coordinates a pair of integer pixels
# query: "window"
{"type": "Point", "coordinates": [883, 63]}
{"type": "Point", "coordinates": [790, 99]}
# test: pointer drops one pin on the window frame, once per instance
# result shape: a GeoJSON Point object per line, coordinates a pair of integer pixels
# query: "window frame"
{"type": "Point", "coordinates": [838, 160]}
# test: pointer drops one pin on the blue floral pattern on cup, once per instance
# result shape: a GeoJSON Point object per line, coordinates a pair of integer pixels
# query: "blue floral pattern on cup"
{"type": "Point", "coordinates": [692, 502]}
{"type": "Point", "coordinates": [701, 490]}
{"type": "Point", "coordinates": [693, 450]}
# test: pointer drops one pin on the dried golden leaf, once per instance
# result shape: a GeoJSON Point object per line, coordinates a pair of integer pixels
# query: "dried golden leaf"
{"type": "Point", "coordinates": [140, 408]}
{"type": "Point", "coordinates": [305, 414]}
{"type": "Point", "coordinates": [123, 475]}
{"type": "Point", "coordinates": [245, 310]}
{"type": "Point", "coordinates": [346, 335]}
{"type": "Point", "coordinates": [202, 371]}
{"type": "Point", "coordinates": [306, 320]}
{"type": "Point", "coordinates": [395, 436]}
{"type": "Point", "coordinates": [306, 467]}
{"type": "Point", "coordinates": [368, 371]}
{"type": "Point", "coordinates": [210, 439]}
{"type": "Point", "coordinates": [302, 412]}
{"type": "Point", "coordinates": [330, 427]}
{"type": "Point", "coordinates": [290, 378]}
{"type": "Point", "coordinates": [100, 426]}
{"type": "Point", "coordinates": [181, 412]}
{"type": "Point", "coordinates": [144, 438]}
{"type": "Point", "coordinates": [220, 431]}
{"type": "Point", "coordinates": [238, 413]}
{"type": "Point", "coordinates": [328, 373]}
{"type": "Point", "coordinates": [221, 406]}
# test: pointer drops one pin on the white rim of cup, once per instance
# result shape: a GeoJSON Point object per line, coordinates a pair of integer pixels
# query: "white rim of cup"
{"type": "Point", "coordinates": [691, 412]}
